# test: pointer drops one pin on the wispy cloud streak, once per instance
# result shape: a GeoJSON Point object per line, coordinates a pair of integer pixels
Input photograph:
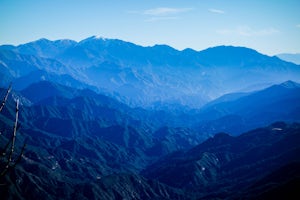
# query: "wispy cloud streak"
{"type": "Point", "coordinates": [161, 13]}
{"type": "Point", "coordinates": [153, 19]}
{"type": "Point", "coordinates": [165, 11]}
{"type": "Point", "coordinates": [216, 11]}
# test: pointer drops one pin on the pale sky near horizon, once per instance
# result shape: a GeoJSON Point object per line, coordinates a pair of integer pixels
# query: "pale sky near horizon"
{"type": "Point", "coordinates": [268, 26]}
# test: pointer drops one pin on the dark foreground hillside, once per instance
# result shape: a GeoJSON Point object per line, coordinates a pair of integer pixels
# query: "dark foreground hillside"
{"type": "Point", "coordinates": [259, 164]}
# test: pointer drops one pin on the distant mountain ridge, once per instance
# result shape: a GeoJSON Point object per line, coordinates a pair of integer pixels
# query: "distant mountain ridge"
{"type": "Point", "coordinates": [234, 113]}
{"type": "Point", "coordinates": [237, 113]}
{"type": "Point", "coordinates": [295, 58]}
{"type": "Point", "coordinates": [146, 76]}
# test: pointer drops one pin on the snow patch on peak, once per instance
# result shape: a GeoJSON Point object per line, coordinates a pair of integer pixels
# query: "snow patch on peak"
{"type": "Point", "coordinates": [93, 38]}
{"type": "Point", "coordinates": [98, 37]}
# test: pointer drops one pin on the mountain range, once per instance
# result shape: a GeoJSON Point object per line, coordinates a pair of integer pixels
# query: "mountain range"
{"type": "Point", "coordinates": [109, 119]}
{"type": "Point", "coordinates": [144, 76]}
{"type": "Point", "coordinates": [78, 148]}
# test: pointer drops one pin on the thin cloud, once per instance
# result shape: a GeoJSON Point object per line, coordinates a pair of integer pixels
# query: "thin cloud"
{"type": "Point", "coordinates": [161, 13]}
{"type": "Point", "coordinates": [248, 31]}
{"type": "Point", "coordinates": [153, 19]}
{"type": "Point", "coordinates": [165, 11]}
{"type": "Point", "coordinates": [298, 25]}
{"type": "Point", "coordinates": [216, 11]}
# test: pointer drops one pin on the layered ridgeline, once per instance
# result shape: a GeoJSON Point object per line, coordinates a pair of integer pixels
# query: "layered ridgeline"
{"type": "Point", "coordinates": [108, 119]}
{"type": "Point", "coordinates": [85, 145]}
{"type": "Point", "coordinates": [260, 164]}
{"type": "Point", "coordinates": [238, 112]}
{"type": "Point", "coordinates": [144, 76]}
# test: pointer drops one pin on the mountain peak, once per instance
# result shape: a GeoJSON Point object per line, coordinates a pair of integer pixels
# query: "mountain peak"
{"type": "Point", "coordinates": [95, 37]}
{"type": "Point", "coordinates": [290, 84]}
{"type": "Point", "coordinates": [231, 51]}
{"type": "Point", "coordinates": [98, 37]}
{"type": "Point", "coordinates": [42, 40]}
{"type": "Point", "coordinates": [164, 48]}
{"type": "Point", "coordinates": [96, 42]}
{"type": "Point", "coordinates": [232, 56]}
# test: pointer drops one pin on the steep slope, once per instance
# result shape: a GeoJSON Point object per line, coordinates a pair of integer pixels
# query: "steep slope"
{"type": "Point", "coordinates": [78, 140]}
{"type": "Point", "coordinates": [44, 89]}
{"type": "Point", "coordinates": [238, 113]}
{"type": "Point", "coordinates": [22, 70]}
{"type": "Point", "coordinates": [117, 186]}
{"type": "Point", "coordinates": [45, 48]}
{"type": "Point", "coordinates": [21, 64]}
{"type": "Point", "coordinates": [199, 75]}
{"type": "Point", "coordinates": [80, 144]}
{"type": "Point", "coordinates": [295, 58]}
{"type": "Point", "coordinates": [149, 76]}
{"type": "Point", "coordinates": [87, 145]}
{"type": "Point", "coordinates": [64, 113]}
{"type": "Point", "coordinates": [42, 75]}
{"type": "Point", "coordinates": [223, 165]}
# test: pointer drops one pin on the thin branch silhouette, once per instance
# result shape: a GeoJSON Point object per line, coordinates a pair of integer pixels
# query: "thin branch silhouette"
{"type": "Point", "coordinates": [8, 151]}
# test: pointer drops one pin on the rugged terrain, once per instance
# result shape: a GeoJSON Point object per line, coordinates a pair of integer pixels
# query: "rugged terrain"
{"type": "Point", "coordinates": [108, 119]}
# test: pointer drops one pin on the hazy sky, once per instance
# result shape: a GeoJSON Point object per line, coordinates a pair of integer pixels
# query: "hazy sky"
{"type": "Point", "coordinates": [269, 26]}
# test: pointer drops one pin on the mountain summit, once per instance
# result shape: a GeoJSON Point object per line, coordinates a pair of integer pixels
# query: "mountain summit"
{"type": "Point", "coordinates": [109, 119]}
{"type": "Point", "coordinates": [148, 76]}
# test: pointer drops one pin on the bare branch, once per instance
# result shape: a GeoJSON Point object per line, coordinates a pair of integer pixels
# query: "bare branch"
{"type": "Point", "coordinates": [14, 133]}
{"type": "Point", "coordinates": [7, 167]}
{"type": "Point", "coordinates": [7, 154]}
{"type": "Point", "coordinates": [5, 98]}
